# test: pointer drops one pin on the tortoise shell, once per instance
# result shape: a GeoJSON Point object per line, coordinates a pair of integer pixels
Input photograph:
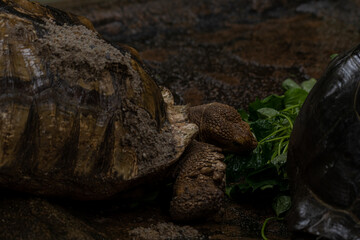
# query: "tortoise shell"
{"type": "Point", "coordinates": [79, 116]}
{"type": "Point", "coordinates": [324, 154]}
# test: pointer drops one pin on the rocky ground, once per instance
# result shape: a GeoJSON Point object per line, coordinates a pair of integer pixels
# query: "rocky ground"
{"type": "Point", "coordinates": [29, 217]}
{"type": "Point", "coordinates": [231, 51]}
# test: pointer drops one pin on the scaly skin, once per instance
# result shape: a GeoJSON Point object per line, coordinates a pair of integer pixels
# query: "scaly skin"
{"type": "Point", "coordinates": [221, 125]}
{"type": "Point", "coordinates": [199, 187]}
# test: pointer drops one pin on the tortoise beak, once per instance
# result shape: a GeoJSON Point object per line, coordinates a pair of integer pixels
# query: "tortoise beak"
{"type": "Point", "coordinates": [246, 142]}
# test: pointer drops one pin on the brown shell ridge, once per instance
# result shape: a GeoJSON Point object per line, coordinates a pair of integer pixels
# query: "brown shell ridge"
{"type": "Point", "coordinates": [78, 117]}
{"type": "Point", "coordinates": [35, 12]}
{"type": "Point", "coordinates": [45, 22]}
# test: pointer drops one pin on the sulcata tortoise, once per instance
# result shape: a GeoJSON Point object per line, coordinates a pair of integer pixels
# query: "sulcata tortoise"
{"type": "Point", "coordinates": [324, 154]}
{"type": "Point", "coordinates": [81, 118]}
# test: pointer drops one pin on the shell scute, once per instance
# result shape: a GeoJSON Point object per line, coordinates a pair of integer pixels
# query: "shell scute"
{"type": "Point", "coordinates": [79, 116]}
{"type": "Point", "coordinates": [324, 154]}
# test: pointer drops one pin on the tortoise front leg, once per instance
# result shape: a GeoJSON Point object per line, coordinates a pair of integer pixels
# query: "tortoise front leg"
{"type": "Point", "coordinates": [199, 187]}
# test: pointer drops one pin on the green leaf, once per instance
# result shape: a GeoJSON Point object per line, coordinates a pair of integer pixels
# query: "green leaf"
{"type": "Point", "coordinates": [263, 127]}
{"type": "Point", "coordinates": [279, 160]}
{"type": "Point", "coordinates": [228, 190]}
{"type": "Point", "coordinates": [271, 120]}
{"type": "Point", "coordinates": [267, 112]}
{"type": "Point", "coordinates": [332, 56]}
{"type": "Point", "coordinates": [308, 85]}
{"type": "Point", "coordinates": [281, 204]}
{"type": "Point", "coordinates": [290, 84]}
{"type": "Point", "coordinates": [244, 115]}
{"type": "Point", "coordinates": [235, 190]}
{"type": "Point", "coordinates": [294, 96]}
{"type": "Point", "coordinates": [264, 184]}
{"type": "Point", "coordinates": [256, 160]}
{"type": "Point", "coordinates": [263, 178]}
{"type": "Point", "coordinates": [269, 185]}
{"type": "Point", "coordinates": [272, 101]}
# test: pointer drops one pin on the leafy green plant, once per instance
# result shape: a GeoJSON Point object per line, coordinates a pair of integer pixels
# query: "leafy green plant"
{"type": "Point", "coordinates": [271, 120]}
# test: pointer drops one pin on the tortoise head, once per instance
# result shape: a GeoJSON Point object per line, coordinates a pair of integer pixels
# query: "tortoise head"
{"type": "Point", "coordinates": [221, 125]}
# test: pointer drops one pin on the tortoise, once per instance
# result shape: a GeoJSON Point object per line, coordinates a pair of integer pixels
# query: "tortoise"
{"type": "Point", "coordinates": [82, 118]}
{"type": "Point", "coordinates": [324, 154]}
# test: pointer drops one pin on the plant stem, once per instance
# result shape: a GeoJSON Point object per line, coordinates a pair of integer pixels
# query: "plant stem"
{"type": "Point", "coordinates": [290, 108]}
{"type": "Point", "coordinates": [286, 147]}
{"type": "Point", "coordinates": [264, 226]}
{"type": "Point", "coordinates": [275, 139]}
{"type": "Point", "coordinates": [287, 118]}
{"type": "Point", "coordinates": [272, 134]}
{"type": "Point", "coordinates": [279, 148]}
